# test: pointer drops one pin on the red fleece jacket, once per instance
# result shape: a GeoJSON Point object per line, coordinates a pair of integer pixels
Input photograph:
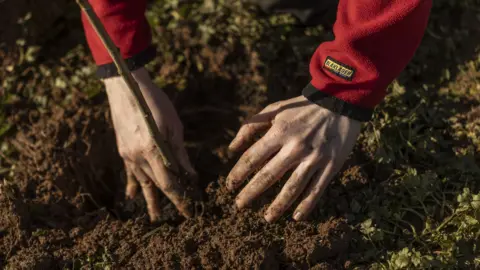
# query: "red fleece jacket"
{"type": "Point", "coordinates": [374, 41]}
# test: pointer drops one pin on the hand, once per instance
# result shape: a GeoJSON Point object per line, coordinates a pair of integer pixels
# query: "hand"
{"type": "Point", "coordinates": [136, 146]}
{"type": "Point", "coordinates": [302, 136]}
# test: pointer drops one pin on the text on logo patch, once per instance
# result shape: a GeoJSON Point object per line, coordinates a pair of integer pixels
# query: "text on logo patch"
{"type": "Point", "coordinates": [339, 69]}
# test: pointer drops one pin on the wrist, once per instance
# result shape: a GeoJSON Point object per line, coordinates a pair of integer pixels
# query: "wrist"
{"type": "Point", "coordinates": [117, 83]}
{"type": "Point", "coordinates": [336, 105]}
{"type": "Point", "coordinates": [133, 63]}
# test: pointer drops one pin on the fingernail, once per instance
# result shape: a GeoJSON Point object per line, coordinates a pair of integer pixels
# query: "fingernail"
{"type": "Point", "coordinates": [230, 146]}
{"type": "Point", "coordinates": [130, 195]}
{"type": "Point", "coordinates": [298, 216]}
{"type": "Point", "coordinates": [239, 203]}
{"type": "Point", "coordinates": [268, 218]}
{"type": "Point", "coordinates": [233, 145]}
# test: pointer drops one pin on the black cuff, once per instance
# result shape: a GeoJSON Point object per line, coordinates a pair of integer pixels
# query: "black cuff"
{"type": "Point", "coordinates": [133, 63]}
{"type": "Point", "coordinates": [336, 105]}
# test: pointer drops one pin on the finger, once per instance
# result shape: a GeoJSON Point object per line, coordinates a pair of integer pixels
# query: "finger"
{"type": "Point", "coordinates": [182, 156]}
{"type": "Point", "coordinates": [254, 125]}
{"type": "Point", "coordinates": [179, 151]}
{"type": "Point", "coordinates": [132, 184]}
{"type": "Point", "coordinates": [147, 170]}
{"type": "Point", "coordinates": [170, 186]}
{"type": "Point", "coordinates": [314, 191]}
{"type": "Point", "coordinates": [292, 189]}
{"type": "Point", "coordinates": [150, 194]}
{"type": "Point", "coordinates": [252, 159]}
{"type": "Point", "coordinates": [268, 175]}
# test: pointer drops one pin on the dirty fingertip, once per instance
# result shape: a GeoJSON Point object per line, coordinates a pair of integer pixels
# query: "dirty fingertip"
{"type": "Point", "coordinates": [298, 216]}
{"type": "Point", "coordinates": [154, 215]}
{"type": "Point", "coordinates": [129, 196]}
{"type": "Point", "coordinates": [186, 209]}
{"type": "Point", "coordinates": [269, 218]}
{"type": "Point", "coordinates": [131, 191]}
{"type": "Point", "coordinates": [239, 203]}
{"type": "Point", "coordinates": [229, 183]}
{"type": "Point", "coordinates": [154, 219]}
{"type": "Point", "coordinates": [235, 145]}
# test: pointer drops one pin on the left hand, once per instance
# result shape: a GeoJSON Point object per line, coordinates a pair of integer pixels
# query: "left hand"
{"type": "Point", "coordinates": [303, 136]}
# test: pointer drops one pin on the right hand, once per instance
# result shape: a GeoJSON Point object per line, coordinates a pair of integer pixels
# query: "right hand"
{"type": "Point", "coordinates": [143, 163]}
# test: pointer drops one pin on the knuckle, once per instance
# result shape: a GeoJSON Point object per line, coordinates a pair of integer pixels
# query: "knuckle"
{"type": "Point", "coordinates": [147, 148]}
{"type": "Point", "coordinates": [265, 179]}
{"type": "Point", "coordinates": [145, 184]}
{"type": "Point", "coordinates": [168, 188]}
{"type": "Point", "coordinates": [124, 154]}
{"type": "Point", "coordinates": [137, 151]}
{"type": "Point", "coordinates": [234, 182]}
{"type": "Point", "coordinates": [291, 191]}
{"type": "Point", "coordinates": [276, 209]}
{"type": "Point", "coordinates": [280, 128]}
{"type": "Point", "coordinates": [128, 154]}
{"type": "Point", "coordinates": [298, 146]}
{"type": "Point", "coordinates": [245, 129]}
{"type": "Point", "coordinates": [247, 126]}
{"type": "Point", "coordinates": [309, 168]}
{"type": "Point", "coordinates": [248, 161]}
{"type": "Point", "coordinates": [274, 106]}
{"type": "Point", "coordinates": [313, 160]}
{"type": "Point", "coordinates": [316, 191]}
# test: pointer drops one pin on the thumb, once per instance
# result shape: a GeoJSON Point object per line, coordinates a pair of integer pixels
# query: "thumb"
{"type": "Point", "coordinates": [182, 157]}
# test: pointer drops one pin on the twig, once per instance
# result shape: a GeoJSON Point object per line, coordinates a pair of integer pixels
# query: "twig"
{"type": "Point", "coordinates": [446, 221]}
{"type": "Point", "coordinates": [162, 145]}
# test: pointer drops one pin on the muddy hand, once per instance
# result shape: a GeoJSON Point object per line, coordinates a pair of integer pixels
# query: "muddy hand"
{"type": "Point", "coordinates": [303, 137]}
{"type": "Point", "coordinates": [143, 162]}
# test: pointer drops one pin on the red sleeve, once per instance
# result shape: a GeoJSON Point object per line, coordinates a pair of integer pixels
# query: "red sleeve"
{"type": "Point", "coordinates": [374, 41]}
{"type": "Point", "coordinates": [126, 24]}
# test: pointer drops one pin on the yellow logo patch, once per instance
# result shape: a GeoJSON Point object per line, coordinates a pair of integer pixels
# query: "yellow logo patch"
{"type": "Point", "coordinates": [339, 69]}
